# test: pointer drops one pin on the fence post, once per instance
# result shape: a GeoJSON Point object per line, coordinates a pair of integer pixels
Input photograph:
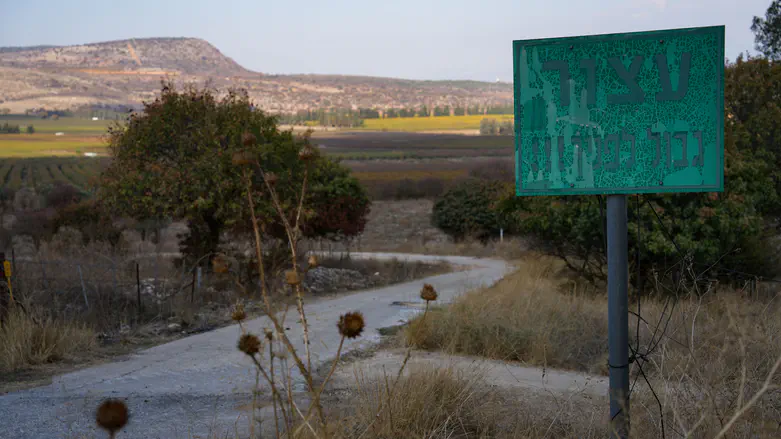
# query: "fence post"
{"type": "Point", "coordinates": [192, 289]}
{"type": "Point", "coordinates": [43, 272]}
{"type": "Point", "coordinates": [138, 286]}
{"type": "Point", "coordinates": [83, 288]}
{"type": "Point", "coordinates": [4, 298]}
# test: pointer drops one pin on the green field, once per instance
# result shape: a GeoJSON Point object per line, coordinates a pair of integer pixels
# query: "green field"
{"type": "Point", "coordinates": [440, 123]}
{"type": "Point", "coordinates": [49, 145]}
{"type": "Point", "coordinates": [40, 172]}
{"type": "Point", "coordinates": [67, 125]}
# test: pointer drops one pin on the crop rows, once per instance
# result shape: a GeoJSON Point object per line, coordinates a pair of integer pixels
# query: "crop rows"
{"type": "Point", "coordinates": [39, 173]}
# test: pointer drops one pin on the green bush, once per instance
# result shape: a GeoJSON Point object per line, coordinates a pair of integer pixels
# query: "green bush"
{"type": "Point", "coordinates": [468, 210]}
{"type": "Point", "coordinates": [718, 233]}
{"type": "Point", "coordinates": [175, 159]}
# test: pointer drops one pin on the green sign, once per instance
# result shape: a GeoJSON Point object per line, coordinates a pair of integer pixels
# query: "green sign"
{"type": "Point", "coordinates": [621, 113]}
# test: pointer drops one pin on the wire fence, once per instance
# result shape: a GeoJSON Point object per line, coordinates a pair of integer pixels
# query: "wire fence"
{"type": "Point", "coordinates": [103, 285]}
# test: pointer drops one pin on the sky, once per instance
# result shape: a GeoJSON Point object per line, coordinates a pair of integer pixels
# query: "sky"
{"type": "Point", "coordinates": [415, 39]}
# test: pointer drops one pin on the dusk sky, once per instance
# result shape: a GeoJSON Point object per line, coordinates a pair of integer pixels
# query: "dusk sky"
{"type": "Point", "coordinates": [416, 39]}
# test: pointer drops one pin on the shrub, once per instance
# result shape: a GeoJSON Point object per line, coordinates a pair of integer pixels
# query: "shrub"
{"type": "Point", "coordinates": [468, 210]}
{"type": "Point", "coordinates": [182, 158]}
{"type": "Point", "coordinates": [717, 232]}
{"type": "Point", "coordinates": [92, 220]}
{"type": "Point", "coordinates": [62, 195]}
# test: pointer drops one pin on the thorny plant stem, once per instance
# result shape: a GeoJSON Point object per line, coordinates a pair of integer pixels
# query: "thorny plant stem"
{"type": "Point", "coordinates": [254, 405]}
{"type": "Point", "coordinates": [327, 378]}
{"type": "Point", "coordinates": [409, 348]}
{"type": "Point", "coordinates": [292, 236]}
{"type": "Point", "coordinates": [752, 401]}
{"type": "Point", "coordinates": [305, 372]}
{"type": "Point", "coordinates": [401, 370]}
{"type": "Point", "coordinates": [274, 400]}
{"type": "Point", "coordinates": [274, 390]}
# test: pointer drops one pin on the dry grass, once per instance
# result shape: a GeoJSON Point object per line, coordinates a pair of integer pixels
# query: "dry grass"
{"type": "Point", "coordinates": [429, 402]}
{"type": "Point", "coordinates": [705, 364]}
{"type": "Point", "coordinates": [522, 318]}
{"type": "Point", "coordinates": [27, 340]}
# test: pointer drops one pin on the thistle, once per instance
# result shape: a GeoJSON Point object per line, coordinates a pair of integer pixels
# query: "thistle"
{"type": "Point", "coordinates": [111, 416]}
{"type": "Point", "coordinates": [307, 153]}
{"type": "Point", "coordinates": [428, 293]}
{"type": "Point", "coordinates": [220, 264]}
{"type": "Point", "coordinates": [292, 278]}
{"type": "Point", "coordinates": [271, 178]}
{"type": "Point", "coordinates": [238, 314]}
{"type": "Point", "coordinates": [249, 344]}
{"type": "Point", "coordinates": [351, 324]}
{"type": "Point", "coordinates": [248, 139]}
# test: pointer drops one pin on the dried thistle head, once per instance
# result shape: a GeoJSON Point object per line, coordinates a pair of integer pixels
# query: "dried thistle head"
{"type": "Point", "coordinates": [313, 262]}
{"type": "Point", "coordinates": [112, 415]}
{"type": "Point", "coordinates": [292, 277]}
{"type": "Point", "coordinates": [271, 178]}
{"type": "Point", "coordinates": [248, 139]}
{"type": "Point", "coordinates": [220, 264]}
{"type": "Point", "coordinates": [351, 324]}
{"type": "Point", "coordinates": [306, 153]}
{"type": "Point", "coordinates": [241, 158]}
{"type": "Point", "coordinates": [249, 344]}
{"type": "Point", "coordinates": [428, 293]}
{"type": "Point", "coordinates": [239, 314]}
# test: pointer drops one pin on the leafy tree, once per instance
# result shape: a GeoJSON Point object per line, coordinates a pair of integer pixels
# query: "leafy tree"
{"type": "Point", "coordinates": [176, 159]}
{"type": "Point", "coordinates": [30, 129]}
{"type": "Point", "coordinates": [62, 195]}
{"type": "Point", "coordinates": [719, 233]}
{"type": "Point", "coordinates": [767, 32]}
{"type": "Point", "coordinates": [468, 210]}
{"type": "Point", "coordinates": [92, 219]}
{"type": "Point", "coordinates": [488, 127]}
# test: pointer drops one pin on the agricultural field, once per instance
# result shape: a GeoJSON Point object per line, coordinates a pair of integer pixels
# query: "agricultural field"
{"type": "Point", "coordinates": [78, 136]}
{"type": "Point", "coordinates": [407, 145]}
{"type": "Point", "coordinates": [67, 125]}
{"type": "Point", "coordinates": [49, 145]}
{"type": "Point", "coordinates": [392, 165]}
{"type": "Point", "coordinates": [41, 172]}
{"type": "Point", "coordinates": [439, 123]}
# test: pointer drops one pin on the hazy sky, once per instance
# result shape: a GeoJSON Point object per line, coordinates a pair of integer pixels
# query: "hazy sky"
{"type": "Point", "coordinates": [418, 39]}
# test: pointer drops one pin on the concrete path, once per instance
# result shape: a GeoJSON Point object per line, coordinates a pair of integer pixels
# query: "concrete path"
{"type": "Point", "coordinates": [195, 386]}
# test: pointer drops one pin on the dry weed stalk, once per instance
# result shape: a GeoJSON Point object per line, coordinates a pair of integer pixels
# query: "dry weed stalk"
{"type": "Point", "coordinates": [350, 325]}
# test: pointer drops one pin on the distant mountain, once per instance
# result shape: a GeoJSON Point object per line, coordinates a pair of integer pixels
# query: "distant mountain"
{"type": "Point", "coordinates": [128, 72]}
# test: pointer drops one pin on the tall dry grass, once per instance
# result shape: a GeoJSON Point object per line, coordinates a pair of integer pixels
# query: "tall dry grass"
{"type": "Point", "coordinates": [709, 357]}
{"type": "Point", "coordinates": [27, 340]}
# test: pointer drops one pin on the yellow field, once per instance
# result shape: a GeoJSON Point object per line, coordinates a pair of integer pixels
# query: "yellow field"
{"type": "Point", "coordinates": [431, 123]}
{"type": "Point", "coordinates": [48, 145]}
{"type": "Point", "coordinates": [410, 175]}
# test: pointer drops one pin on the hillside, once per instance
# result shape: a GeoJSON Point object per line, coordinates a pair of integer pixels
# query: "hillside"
{"type": "Point", "coordinates": [129, 72]}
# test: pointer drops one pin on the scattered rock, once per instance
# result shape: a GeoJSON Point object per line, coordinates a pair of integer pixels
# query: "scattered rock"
{"type": "Point", "coordinates": [322, 280]}
{"type": "Point", "coordinates": [174, 327]}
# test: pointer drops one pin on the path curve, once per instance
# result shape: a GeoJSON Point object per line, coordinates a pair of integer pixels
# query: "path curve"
{"type": "Point", "coordinates": [190, 386]}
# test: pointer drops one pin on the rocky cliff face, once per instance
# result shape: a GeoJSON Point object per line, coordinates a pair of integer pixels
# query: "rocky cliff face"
{"type": "Point", "coordinates": [129, 71]}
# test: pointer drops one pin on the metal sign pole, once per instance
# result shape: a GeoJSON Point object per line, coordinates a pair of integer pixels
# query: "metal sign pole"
{"type": "Point", "coordinates": [618, 315]}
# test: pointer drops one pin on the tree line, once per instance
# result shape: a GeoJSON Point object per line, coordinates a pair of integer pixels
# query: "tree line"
{"type": "Point", "coordinates": [729, 236]}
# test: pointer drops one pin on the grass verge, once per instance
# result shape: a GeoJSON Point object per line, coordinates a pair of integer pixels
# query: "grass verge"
{"type": "Point", "coordinates": [27, 340]}
{"type": "Point", "coordinates": [708, 354]}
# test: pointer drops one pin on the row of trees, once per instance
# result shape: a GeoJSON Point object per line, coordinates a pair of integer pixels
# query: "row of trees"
{"type": "Point", "coordinates": [183, 157]}
{"type": "Point", "coordinates": [722, 234]}
{"type": "Point", "coordinates": [493, 127]}
{"type": "Point", "coordinates": [354, 118]}
{"type": "Point", "coordinates": [7, 128]}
